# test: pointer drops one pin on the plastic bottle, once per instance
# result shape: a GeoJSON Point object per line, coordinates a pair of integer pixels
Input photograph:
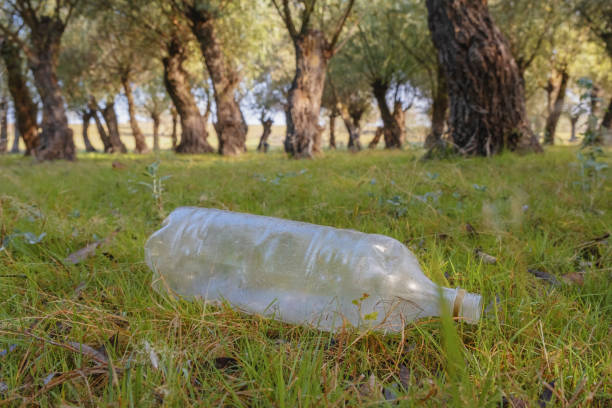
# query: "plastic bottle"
{"type": "Point", "coordinates": [296, 272]}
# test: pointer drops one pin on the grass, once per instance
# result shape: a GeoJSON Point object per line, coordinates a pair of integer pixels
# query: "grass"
{"type": "Point", "coordinates": [95, 334]}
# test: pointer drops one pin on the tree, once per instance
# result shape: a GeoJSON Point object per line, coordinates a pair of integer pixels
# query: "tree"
{"type": "Point", "coordinates": [487, 101]}
{"type": "Point", "coordinates": [155, 103]}
{"type": "Point", "coordinates": [557, 84]}
{"type": "Point", "coordinates": [4, 105]}
{"type": "Point", "coordinates": [46, 24]}
{"type": "Point", "coordinates": [25, 107]}
{"type": "Point", "coordinates": [313, 50]}
{"type": "Point", "coordinates": [204, 17]}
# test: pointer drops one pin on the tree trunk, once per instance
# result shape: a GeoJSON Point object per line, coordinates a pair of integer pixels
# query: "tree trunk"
{"type": "Point", "coordinates": [174, 114]}
{"type": "Point", "coordinates": [56, 137]}
{"type": "Point", "coordinates": [25, 108]}
{"type": "Point", "coordinates": [156, 121]}
{"type": "Point", "coordinates": [487, 97]}
{"type": "Point", "coordinates": [332, 129]}
{"type": "Point", "coordinates": [267, 130]}
{"type": "Point", "coordinates": [352, 126]}
{"type": "Point", "coordinates": [376, 139]}
{"type": "Point", "coordinates": [15, 148]}
{"type": "Point", "coordinates": [93, 111]}
{"type": "Point", "coordinates": [557, 108]}
{"type": "Point", "coordinates": [438, 111]}
{"type": "Point", "coordinates": [176, 79]}
{"type": "Point", "coordinates": [392, 131]}
{"type": "Point", "coordinates": [573, 121]}
{"type": "Point", "coordinates": [86, 115]}
{"type": "Point", "coordinates": [399, 115]}
{"type": "Point", "coordinates": [3, 124]}
{"type": "Point", "coordinates": [303, 130]}
{"type": "Point", "coordinates": [110, 117]}
{"type": "Point", "coordinates": [140, 142]}
{"type": "Point", "coordinates": [605, 128]}
{"type": "Point", "coordinates": [230, 125]}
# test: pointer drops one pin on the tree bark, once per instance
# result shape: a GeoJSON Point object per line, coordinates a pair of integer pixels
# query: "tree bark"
{"type": "Point", "coordinates": [86, 115]}
{"type": "Point", "coordinates": [15, 148]}
{"type": "Point", "coordinates": [605, 128]}
{"type": "Point", "coordinates": [93, 110]}
{"type": "Point", "coordinates": [156, 117]}
{"type": "Point", "coordinates": [332, 129]}
{"type": "Point", "coordinates": [230, 124]}
{"type": "Point", "coordinates": [25, 108]}
{"type": "Point", "coordinates": [573, 121]}
{"type": "Point", "coordinates": [3, 124]}
{"type": "Point", "coordinates": [174, 114]}
{"type": "Point", "coordinates": [351, 122]}
{"type": "Point", "coordinates": [303, 130]}
{"type": "Point", "coordinates": [438, 111]}
{"type": "Point", "coordinates": [557, 107]}
{"type": "Point", "coordinates": [377, 136]}
{"type": "Point", "coordinates": [267, 130]}
{"type": "Point", "coordinates": [110, 117]}
{"type": "Point", "coordinates": [176, 80]}
{"type": "Point", "coordinates": [487, 97]}
{"type": "Point", "coordinates": [392, 131]}
{"type": "Point", "coordinates": [140, 142]}
{"type": "Point", "coordinates": [56, 137]}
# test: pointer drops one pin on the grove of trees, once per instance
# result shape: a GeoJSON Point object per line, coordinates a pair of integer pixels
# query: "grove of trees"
{"type": "Point", "coordinates": [491, 75]}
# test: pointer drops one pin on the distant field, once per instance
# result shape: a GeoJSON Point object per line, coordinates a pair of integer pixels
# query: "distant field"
{"type": "Point", "coordinates": [416, 135]}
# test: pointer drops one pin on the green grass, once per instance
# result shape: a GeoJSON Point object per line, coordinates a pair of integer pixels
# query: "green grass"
{"type": "Point", "coordinates": [530, 212]}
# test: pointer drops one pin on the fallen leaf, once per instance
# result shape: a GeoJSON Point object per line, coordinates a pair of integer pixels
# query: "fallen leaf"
{"type": "Point", "coordinates": [513, 402]}
{"type": "Point", "coordinates": [48, 378]}
{"type": "Point", "coordinates": [221, 363]}
{"type": "Point", "coordinates": [390, 394]}
{"type": "Point", "coordinates": [11, 348]}
{"type": "Point", "coordinates": [573, 278]}
{"type": "Point", "coordinates": [486, 258]}
{"type": "Point", "coordinates": [89, 250]}
{"type": "Point", "coordinates": [118, 165]}
{"type": "Point", "coordinates": [370, 388]}
{"type": "Point", "coordinates": [89, 351]}
{"type": "Point", "coordinates": [470, 229]}
{"type": "Point", "coordinates": [546, 394]}
{"type": "Point", "coordinates": [3, 387]}
{"type": "Point", "coordinates": [545, 276]}
{"type": "Point", "coordinates": [152, 355]}
{"type": "Point", "coordinates": [404, 376]}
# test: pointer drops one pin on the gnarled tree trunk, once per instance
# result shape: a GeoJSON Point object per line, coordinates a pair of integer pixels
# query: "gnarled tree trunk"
{"type": "Point", "coordinates": [438, 111]}
{"type": "Point", "coordinates": [392, 131]}
{"type": "Point", "coordinates": [176, 80]}
{"type": "Point", "coordinates": [557, 107]}
{"type": "Point", "coordinates": [605, 128]}
{"type": "Point", "coordinates": [86, 115]}
{"type": "Point", "coordinates": [311, 59]}
{"type": "Point", "coordinates": [267, 130]}
{"type": "Point", "coordinates": [93, 110]}
{"type": "Point", "coordinates": [230, 126]}
{"type": "Point", "coordinates": [110, 117]}
{"type": "Point", "coordinates": [156, 121]}
{"type": "Point", "coordinates": [140, 142]}
{"type": "Point", "coordinates": [487, 97]}
{"type": "Point", "coordinates": [377, 136]}
{"type": "Point", "coordinates": [25, 108]}
{"type": "Point", "coordinates": [56, 137]}
{"type": "Point", "coordinates": [351, 122]}
{"type": "Point", "coordinates": [3, 124]}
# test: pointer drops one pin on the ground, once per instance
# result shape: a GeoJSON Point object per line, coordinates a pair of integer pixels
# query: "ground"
{"type": "Point", "coordinates": [94, 333]}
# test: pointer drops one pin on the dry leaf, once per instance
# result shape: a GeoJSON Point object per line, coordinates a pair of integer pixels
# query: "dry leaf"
{"type": "Point", "coordinates": [152, 355]}
{"type": "Point", "coordinates": [470, 229]}
{"type": "Point", "coordinates": [118, 165]}
{"type": "Point", "coordinates": [573, 278]}
{"type": "Point", "coordinates": [486, 258]}
{"type": "Point", "coordinates": [544, 276]}
{"type": "Point", "coordinates": [89, 250]}
{"type": "Point", "coordinates": [89, 351]}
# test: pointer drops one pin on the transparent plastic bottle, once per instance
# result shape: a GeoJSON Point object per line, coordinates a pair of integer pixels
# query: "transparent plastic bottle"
{"type": "Point", "coordinates": [297, 272]}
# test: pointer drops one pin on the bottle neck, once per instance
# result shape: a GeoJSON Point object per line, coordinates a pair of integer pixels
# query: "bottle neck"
{"type": "Point", "coordinates": [463, 305]}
